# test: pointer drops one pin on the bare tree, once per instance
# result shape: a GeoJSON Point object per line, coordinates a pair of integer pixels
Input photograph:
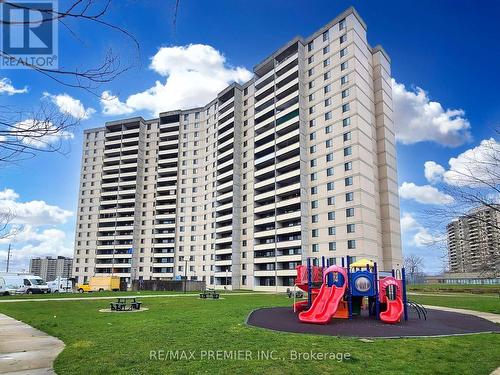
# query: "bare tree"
{"type": "Point", "coordinates": [472, 185]}
{"type": "Point", "coordinates": [413, 266]}
{"type": "Point", "coordinates": [26, 131]}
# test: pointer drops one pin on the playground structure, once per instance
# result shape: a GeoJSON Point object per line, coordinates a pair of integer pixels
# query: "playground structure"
{"type": "Point", "coordinates": [342, 291]}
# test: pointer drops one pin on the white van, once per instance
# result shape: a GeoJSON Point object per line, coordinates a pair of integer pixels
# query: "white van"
{"type": "Point", "coordinates": [60, 285]}
{"type": "Point", "coordinates": [33, 284]}
{"type": "Point", "coordinates": [9, 285]}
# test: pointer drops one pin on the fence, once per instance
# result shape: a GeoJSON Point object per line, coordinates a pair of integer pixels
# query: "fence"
{"type": "Point", "coordinates": [168, 285]}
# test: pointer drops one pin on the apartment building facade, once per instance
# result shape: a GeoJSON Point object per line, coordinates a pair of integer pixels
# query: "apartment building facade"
{"type": "Point", "coordinates": [51, 268]}
{"type": "Point", "coordinates": [298, 162]}
{"type": "Point", "coordinates": [474, 242]}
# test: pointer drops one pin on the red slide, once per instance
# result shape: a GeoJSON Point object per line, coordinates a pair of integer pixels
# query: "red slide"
{"type": "Point", "coordinates": [326, 303]}
{"type": "Point", "coordinates": [393, 312]}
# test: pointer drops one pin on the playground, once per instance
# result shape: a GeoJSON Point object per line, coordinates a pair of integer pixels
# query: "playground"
{"type": "Point", "coordinates": [358, 300]}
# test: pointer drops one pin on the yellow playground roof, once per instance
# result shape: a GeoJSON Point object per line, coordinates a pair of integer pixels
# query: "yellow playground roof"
{"type": "Point", "coordinates": [362, 263]}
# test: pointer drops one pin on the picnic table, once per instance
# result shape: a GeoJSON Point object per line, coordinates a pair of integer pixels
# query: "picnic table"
{"type": "Point", "coordinates": [209, 293]}
{"type": "Point", "coordinates": [125, 304]}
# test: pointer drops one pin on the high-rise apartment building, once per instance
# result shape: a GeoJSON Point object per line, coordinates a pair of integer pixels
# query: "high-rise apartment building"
{"type": "Point", "coordinates": [474, 241]}
{"type": "Point", "coordinates": [51, 268]}
{"type": "Point", "coordinates": [298, 162]}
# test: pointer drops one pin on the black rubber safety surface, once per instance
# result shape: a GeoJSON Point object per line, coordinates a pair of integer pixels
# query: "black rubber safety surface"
{"type": "Point", "coordinates": [438, 323]}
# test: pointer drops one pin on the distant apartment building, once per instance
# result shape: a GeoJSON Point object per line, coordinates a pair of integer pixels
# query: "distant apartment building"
{"type": "Point", "coordinates": [474, 241]}
{"type": "Point", "coordinates": [51, 268]}
{"type": "Point", "coordinates": [298, 162]}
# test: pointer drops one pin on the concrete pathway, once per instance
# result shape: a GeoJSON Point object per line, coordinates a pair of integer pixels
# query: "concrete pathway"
{"type": "Point", "coordinates": [495, 318]}
{"type": "Point", "coordinates": [26, 350]}
{"type": "Point", "coordinates": [121, 296]}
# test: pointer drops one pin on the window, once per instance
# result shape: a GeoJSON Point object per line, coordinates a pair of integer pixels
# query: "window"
{"type": "Point", "coordinates": [329, 171]}
{"type": "Point", "coordinates": [332, 246]}
{"type": "Point", "coordinates": [312, 136]}
{"type": "Point", "coordinates": [331, 231]}
{"type": "Point", "coordinates": [342, 24]}
{"type": "Point", "coordinates": [328, 102]}
{"type": "Point", "coordinates": [326, 49]}
{"type": "Point", "coordinates": [314, 176]}
{"type": "Point", "coordinates": [346, 121]}
{"type": "Point", "coordinates": [314, 162]}
{"type": "Point", "coordinates": [331, 215]}
{"type": "Point", "coordinates": [312, 123]}
{"type": "Point", "coordinates": [349, 197]}
{"type": "Point", "coordinates": [329, 143]}
{"type": "Point", "coordinates": [349, 212]}
{"type": "Point", "coordinates": [343, 79]}
{"type": "Point", "coordinates": [328, 115]}
{"type": "Point", "coordinates": [326, 62]}
{"type": "Point", "coordinates": [327, 89]}
{"type": "Point", "coordinates": [351, 228]}
{"type": "Point", "coordinates": [348, 181]}
{"type": "Point", "coordinates": [312, 149]}
{"type": "Point", "coordinates": [351, 244]}
{"type": "Point", "coordinates": [344, 65]}
{"type": "Point", "coordinates": [329, 157]}
{"type": "Point", "coordinates": [311, 97]}
{"type": "Point", "coordinates": [310, 60]}
{"type": "Point", "coordinates": [310, 46]}
{"type": "Point", "coordinates": [314, 190]}
{"type": "Point", "coordinates": [315, 248]}
{"type": "Point", "coordinates": [343, 52]}
{"type": "Point", "coordinates": [330, 186]}
{"type": "Point", "coordinates": [314, 204]}
{"type": "Point", "coordinates": [347, 136]}
{"type": "Point", "coordinates": [348, 151]}
{"type": "Point", "coordinates": [343, 38]}
{"type": "Point", "coordinates": [326, 36]}
{"type": "Point", "coordinates": [311, 84]}
{"type": "Point", "coordinates": [348, 166]}
{"type": "Point", "coordinates": [331, 201]}
{"type": "Point", "coordinates": [345, 93]}
{"type": "Point", "coordinates": [310, 72]}
{"type": "Point", "coordinates": [327, 75]}
{"type": "Point", "coordinates": [315, 233]}
{"type": "Point", "coordinates": [345, 107]}
{"type": "Point", "coordinates": [314, 218]}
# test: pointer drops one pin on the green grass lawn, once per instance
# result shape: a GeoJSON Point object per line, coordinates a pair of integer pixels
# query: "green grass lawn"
{"type": "Point", "coordinates": [98, 343]}
{"type": "Point", "coordinates": [484, 303]}
{"type": "Point", "coordinates": [106, 294]}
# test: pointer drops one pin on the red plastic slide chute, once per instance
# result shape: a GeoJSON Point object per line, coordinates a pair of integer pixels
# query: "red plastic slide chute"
{"type": "Point", "coordinates": [395, 307]}
{"type": "Point", "coordinates": [326, 303]}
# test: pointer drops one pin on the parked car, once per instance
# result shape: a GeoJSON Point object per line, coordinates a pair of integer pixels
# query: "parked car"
{"type": "Point", "coordinates": [100, 284]}
{"type": "Point", "coordinates": [60, 285]}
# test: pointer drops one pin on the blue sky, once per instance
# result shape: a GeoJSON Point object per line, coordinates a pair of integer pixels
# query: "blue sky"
{"type": "Point", "coordinates": [449, 49]}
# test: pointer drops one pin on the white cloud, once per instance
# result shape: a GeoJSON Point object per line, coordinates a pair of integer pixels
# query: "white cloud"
{"type": "Point", "coordinates": [35, 242]}
{"type": "Point", "coordinates": [419, 235]}
{"type": "Point", "coordinates": [111, 105]}
{"type": "Point", "coordinates": [480, 163]}
{"type": "Point", "coordinates": [194, 74]}
{"type": "Point", "coordinates": [425, 194]}
{"type": "Point", "coordinates": [40, 134]}
{"type": "Point", "coordinates": [6, 87]}
{"type": "Point", "coordinates": [433, 171]}
{"type": "Point", "coordinates": [70, 106]}
{"type": "Point", "coordinates": [36, 212]}
{"type": "Point", "coordinates": [419, 119]}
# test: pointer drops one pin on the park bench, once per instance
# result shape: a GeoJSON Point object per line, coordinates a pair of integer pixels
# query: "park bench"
{"type": "Point", "coordinates": [298, 293]}
{"type": "Point", "coordinates": [125, 304]}
{"type": "Point", "coordinates": [209, 293]}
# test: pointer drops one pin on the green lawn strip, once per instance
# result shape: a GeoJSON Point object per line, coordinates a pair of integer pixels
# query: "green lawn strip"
{"type": "Point", "coordinates": [109, 294]}
{"type": "Point", "coordinates": [99, 343]}
{"type": "Point", "coordinates": [482, 303]}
